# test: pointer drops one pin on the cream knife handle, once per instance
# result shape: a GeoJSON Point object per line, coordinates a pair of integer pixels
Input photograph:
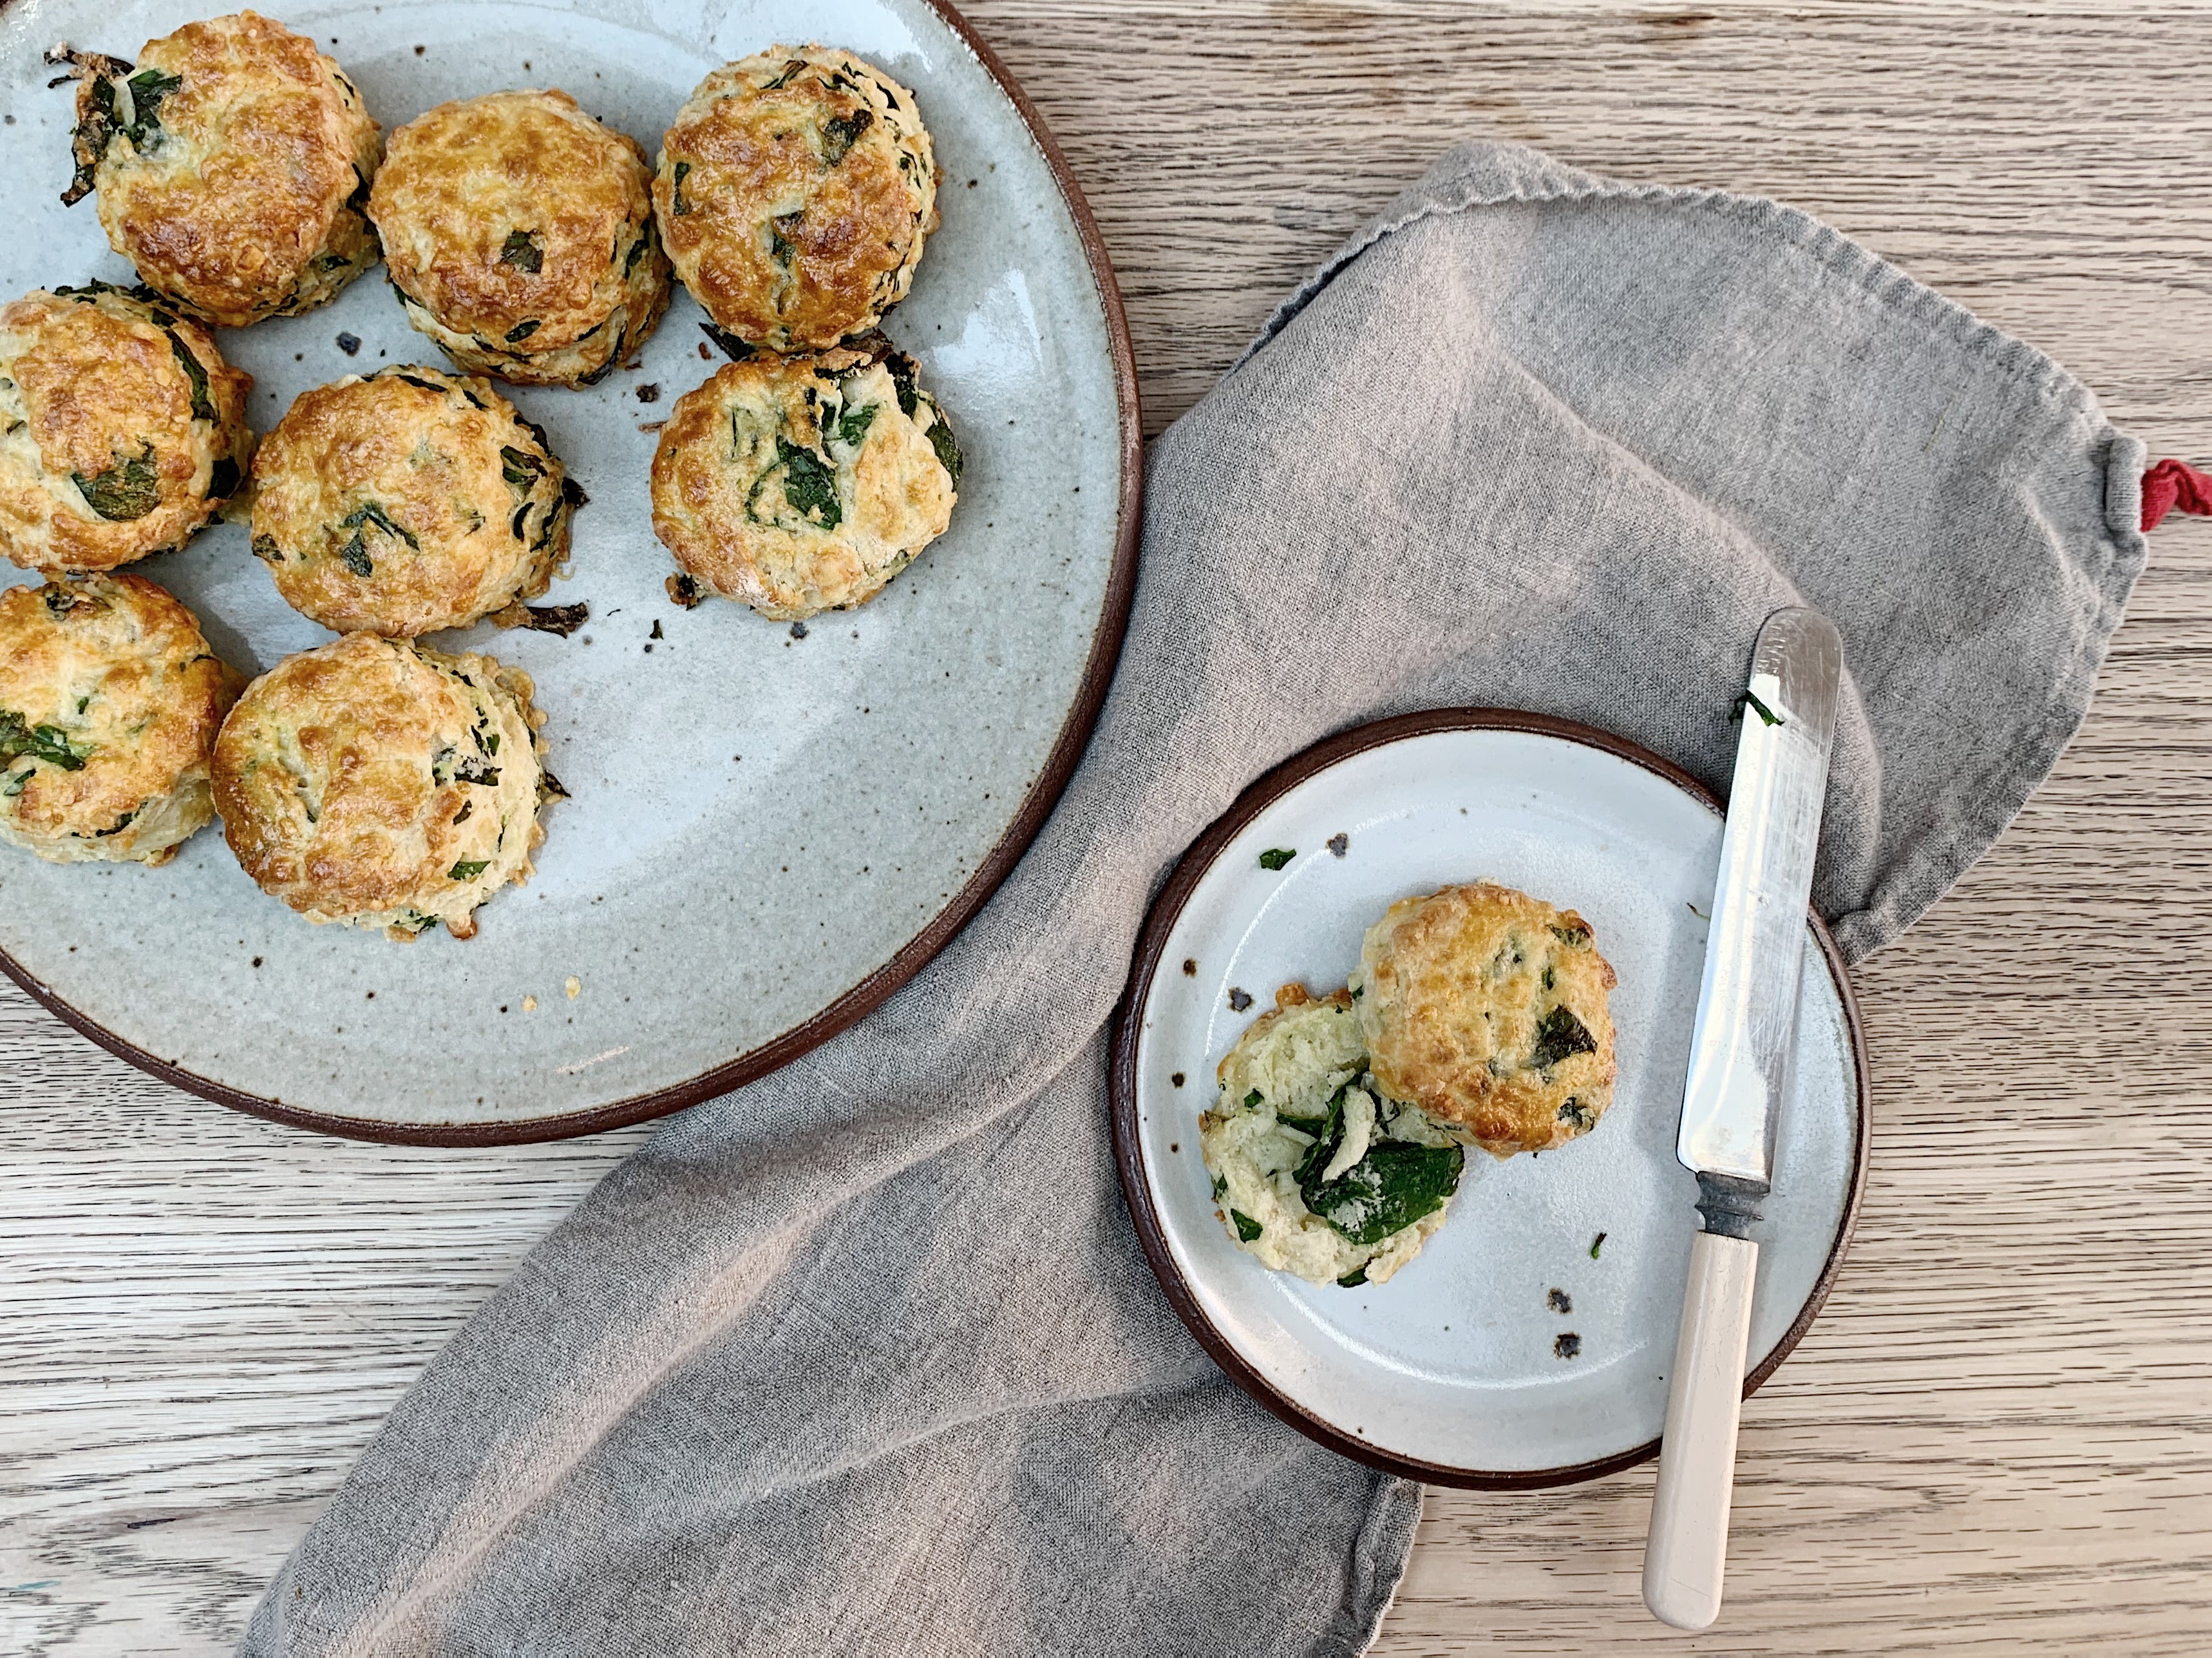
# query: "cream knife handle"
{"type": "Point", "coordinates": [1687, 1553]}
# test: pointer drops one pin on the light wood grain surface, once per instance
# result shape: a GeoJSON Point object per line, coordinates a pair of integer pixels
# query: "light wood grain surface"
{"type": "Point", "coordinates": [1998, 1438]}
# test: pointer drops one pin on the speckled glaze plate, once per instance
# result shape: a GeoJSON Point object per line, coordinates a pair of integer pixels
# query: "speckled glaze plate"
{"type": "Point", "coordinates": [1529, 1343]}
{"type": "Point", "coordinates": [768, 834]}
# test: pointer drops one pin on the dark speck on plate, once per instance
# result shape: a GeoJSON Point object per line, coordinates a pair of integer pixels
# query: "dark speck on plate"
{"type": "Point", "coordinates": [1238, 1000]}
{"type": "Point", "coordinates": [648, 393]}
{"type": "Point", "coordinates": [656, 633]}
{"type": "Point", "coordinates": [1175, 1145]}
{"type": "Point", "coordinates": [256, 960]}
{"type": "Point", "coordinates": [705, 355]}
{"type": "Point", "coordinates": [349, 343]}
{"type": "Point", "coordinates": [799, 630]}
{"type": "Point", "coordinates": [1567, 1345]}
{"type": "Point", "coordinates": [1177, 1079]}
{"type": "Point", "coordinates": [1338, 845]}
{"type": "Point", "coordinates": [1190, 967]}
{"type": "Point", "coordinates": [1560, 1301]}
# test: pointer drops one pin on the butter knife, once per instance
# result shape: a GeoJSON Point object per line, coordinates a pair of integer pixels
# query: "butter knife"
{"type": "Point", "coordinates": [1738, 1063]}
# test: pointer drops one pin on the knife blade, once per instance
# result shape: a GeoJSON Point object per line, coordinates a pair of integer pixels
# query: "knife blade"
{"type": "Point", "coordinates": [1740, 1048]}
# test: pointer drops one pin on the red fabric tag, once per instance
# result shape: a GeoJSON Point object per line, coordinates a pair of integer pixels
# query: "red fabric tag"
{"type": "Point", "coordinates": [2173, 484]}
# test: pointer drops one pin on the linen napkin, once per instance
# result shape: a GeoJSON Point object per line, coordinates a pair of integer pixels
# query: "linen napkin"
{"type": "Point", "coordinates": [863, 1357]}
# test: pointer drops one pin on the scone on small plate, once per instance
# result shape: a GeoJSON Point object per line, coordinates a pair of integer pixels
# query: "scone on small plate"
{"type": "Point", "coordinates": [518, 233]}
{"type": "Point", "coordinates": [408, 501]}
{"type": "Point", "coordinates": [122, 430]}
{"type": "Point", "coordinates": [376, 784]}
{"type": "Point", "coordinates": [109, 703]}
{"type": "Point", "coordinates": [803, 483]}
{"type": "Point", "coordinates": [795, 190]}
{"type": "Point", "coordinates": [1489, 1009]}
{"type": "Point", "coordinates": [1314, 1171]}
{"type": "Point", "coordinates": [233, 164]}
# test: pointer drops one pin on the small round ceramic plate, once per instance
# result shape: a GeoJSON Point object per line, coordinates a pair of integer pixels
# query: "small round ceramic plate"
{"type": "Point", "coordinates": [771, 828]}
{"type": "Point", "coordinates": [1529, 1343]}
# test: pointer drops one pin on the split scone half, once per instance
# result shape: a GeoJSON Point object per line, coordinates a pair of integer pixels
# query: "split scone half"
{"type": "Point", "coordinates": [518, 233]}
{"type": "Point", "coordinates": [1316, 1172]}
{"type": "Point", "coordinates": [1490, 1010]}
{"type": "Point", "coordinates": [122, 430]}
{"type": "Point", "coordinates": [803, 483]}
{"type": "Point", "coordinates": [408, 501]}
{"type": "Point", "coordinates": [376, 784]}
{"type": "Point", "coordinates": [109, 703]}
{"type": "Point", "coordinates": [795, 190]}
{"type": "Point", "coordinates": [233, 164]}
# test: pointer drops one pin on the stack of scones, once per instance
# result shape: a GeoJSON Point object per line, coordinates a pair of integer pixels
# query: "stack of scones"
{"type": "Point", "coordinates": [375, 782]}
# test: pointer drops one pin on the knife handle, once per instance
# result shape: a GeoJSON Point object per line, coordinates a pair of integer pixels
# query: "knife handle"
{"type": "Point", "coordinates": [1686, 1555]}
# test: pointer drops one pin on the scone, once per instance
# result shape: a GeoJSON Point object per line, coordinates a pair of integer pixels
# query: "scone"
{"type": "Point", "coordinates": [109, 703]}
{"type": "Point", "coordinates": [122, 430]}
{"type": "Point", "coordinates": [233, 167]}
{"type": "Point", "coordinates": [380, 784]}
{"type": "Point", "coordinates": [519, 233]}
{"type": "Point", "coordinates": [1316, 1172]}
{"type": "Point", "coordinates": [408, 501]}
{"type": "Point", "coordinates": [803, 483]}
{"type": "Point", "coordinates": [795, 190]}
{"type": "Point", "coordinates": [1488, 1009]}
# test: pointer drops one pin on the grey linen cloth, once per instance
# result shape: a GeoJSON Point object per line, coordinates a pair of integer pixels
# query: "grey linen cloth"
{"type": "Point", "coordinates": [863, 1357]}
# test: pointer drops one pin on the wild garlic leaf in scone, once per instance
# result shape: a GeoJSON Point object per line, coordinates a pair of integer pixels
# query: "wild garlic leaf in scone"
{"type": "Point", "coordinates": [1490, 1010]}
{"type": "Point", "coordinates": [1314, 1172]}
{"type": "Point", "coordinates": [376, 784]}
{"type": "Point", "coordinates": [795, 189]}
{"type": "Point", "coordinates": [109, 703]}
{"type": "Point", "coordinates": [801, 484]}
{"type": "Point", "coordinates": [408, 501]}
{"type": "Point", "coordinates": [122, 430]}
{"type": "Point", "coordinates": [232, 165]}
{"type": "Point", "coordinates": [518, 233]}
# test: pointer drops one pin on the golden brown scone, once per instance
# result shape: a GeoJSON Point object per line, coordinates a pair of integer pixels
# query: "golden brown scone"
{"type": "Point", "coordinates": [803, 483]}
{"type": "Point", "coordinates": [122, 430]}
{"type": "Point", "coordinates": [109, 702]}
{"type": "Point", "coordinates": [374, 782]}
{"type": "Point", "coordinates": [233, 166]}
{"type": "Point", "coordinates": [1488, 1009]}
{"type": "Point", "coordinates": [407, 501]}
{"type": "Point", "coordinates": [795, 190]}
{"type": "Point", "coordinates": [519, 233]}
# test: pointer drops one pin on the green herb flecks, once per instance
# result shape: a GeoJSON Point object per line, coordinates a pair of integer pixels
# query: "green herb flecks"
{"type": "Point", "coordinates": [1220, 1186]}
{"type": "Point", "coordinates": [1580, 1116]}
{"type": "Point", "coordinates": [901, 369]}
{"type": "Point", "coordinates": [520, 250]}
{"type": "Point", "coordinates": [1252, 1099]}
{"type": "Point", "coordinates": [451, 766]}
{"type": "Point", "coordinates": [520, 468]}
{"type": "Point", "coordinates": [1247, 1227]}
{"type": "Point", "coordinates": [1749, 700]}
{"type": "Point", "coordinates": [48, 743]}
{"type": "Point", "coordinates": [130, 489]}
{"type": "Point", "coordinates": [780, 247]}
{"type": "Point", "coordinates": [522, 330]}
{"type": "Point", "coordinates": [1560, 1035]}
{"type": "Point", "coordinates": [1277, 857]}
{"type": "Point", "coordinates": [730, 345]}
{"type": "Point", "coordinates": [468, 870]}
{"type": "Point", "coordinates": [149, 86]}
{"type": "Point", "coordinates": [1394, 1185]}
{"type": "Point", "coordinates": [121, 824]}
{"type": "Point", "coordinates": [636, 252]}
{"type": "Point", "coordinates": [676, 202]}
{"type": "Point", "coordinates": [467, 807]}
{"type": "Point", "coordinates": [16, 783]}
{"type": "Point", "coordinates": [97, 120]}
{"type": "Point", "coordinates": [810, 484]}
{"type": "Point", "coordinates": [1575, 938]}
{"type": "Point", "coordinates": [1352, 1279]}
{"type": "Point", "coordinates": [791, 67]}
{"type": "Point", "coordinates": [266, 550]}
{"type": "Point", "coordinates": [948, 451]}
{"type": "Point", "coordinates": [355, 552]}
{"type": "Point", "coordinates": [852, 428]}
{"type": "Point", "coordinates": [223, 480]}
{"type": "Point", "coordinates": [1597, 1244]}
{"type": "Point", "coordinates": [203, 406]}
{"type": "Point", "coordinates": [63, 600]}
{"type": "Point", "coordinates": [840, 134]}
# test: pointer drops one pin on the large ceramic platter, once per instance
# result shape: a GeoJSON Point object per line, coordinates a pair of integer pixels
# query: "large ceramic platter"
{"type": "Point", "coordinates": [1529, 1343]}
{"type": "Point", "coordinates": [767, 832]}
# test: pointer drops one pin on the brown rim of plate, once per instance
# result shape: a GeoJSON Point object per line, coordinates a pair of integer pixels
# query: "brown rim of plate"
{"type": "Point", "coordinates": [1122, 1090]}
{"type": "Point", "coordinates": [865, 996]}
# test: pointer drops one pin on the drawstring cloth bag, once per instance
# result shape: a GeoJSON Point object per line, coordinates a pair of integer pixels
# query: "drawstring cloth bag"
{"type": "Point", "coordinates": [863, 1358]}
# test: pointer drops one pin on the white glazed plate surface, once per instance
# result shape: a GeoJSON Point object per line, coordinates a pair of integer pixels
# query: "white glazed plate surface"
{"type": "Point", "coordinates": [760, 823]}
{"type": "Point", "coordinates": [1454, 1368]}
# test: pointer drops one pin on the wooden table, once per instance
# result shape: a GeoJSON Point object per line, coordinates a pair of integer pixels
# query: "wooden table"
{"type": "Point", "coordinates": [1998, 1438]}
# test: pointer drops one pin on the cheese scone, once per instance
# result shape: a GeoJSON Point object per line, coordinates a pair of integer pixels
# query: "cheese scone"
{"type": "Point", "coordinates": [803, 483]}
{"type": "Point", "coordinates": [408, 501]}
{"type": "Point", "coordinates": [109, 703]}
{"type": "Point", "coordinates": [795, 189]}
{"type": "Point", "coordinates": [1316, 1172]}
{"type": "Point", "coordinates": [376, 784]}
{"type": "Point", "coordinates": [232, 165]}
{"type": "Point", "coordinates": [1489, 1009]}
{"type": "Point", "coordinates": [122, 430]}
{"type": "Point", "coordinates": [518, 233]}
